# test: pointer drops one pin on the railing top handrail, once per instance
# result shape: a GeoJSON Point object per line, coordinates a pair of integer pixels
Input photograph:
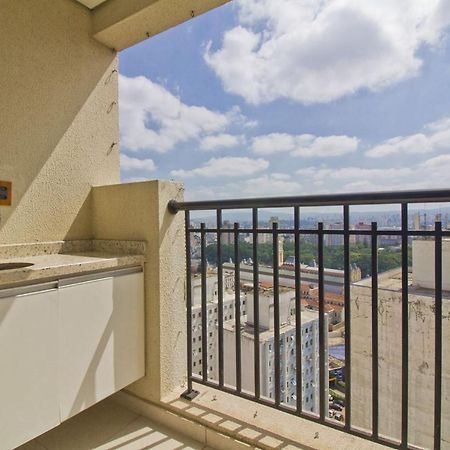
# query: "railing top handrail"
{"type": "Point", "coordinates": [366, 198]}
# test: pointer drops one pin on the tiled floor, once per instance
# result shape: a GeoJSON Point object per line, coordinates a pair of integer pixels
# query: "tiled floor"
{"type": "Point", "coordinates": [109, 426]}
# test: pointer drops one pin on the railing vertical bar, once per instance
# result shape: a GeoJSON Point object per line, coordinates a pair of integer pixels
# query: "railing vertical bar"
{"type": "Point", "coordinates": [237, 308]}
{"type": "Point", "coordinates": [347, 319]}
{"type": "Point", "coordinates": [405, 336]}
{"type": "Point", "coordinates": [257, 367]}
{"type": "Point", "coordinates": [220, 295]}
{"type": "Point", "coordinates": [276, 313]}
{"type": "Point", "coordinates": [204, 307]}
{"type": "Point", "coordinates": [188, 302]}
{"type": "Point", "coordinates": [438, 335]}
{"type": "Point", "coordinates": [374, 239]}
{"type": "Point", "coordinates": [298, 311]}
{"type": "Point", "coordinates": [322, 330]}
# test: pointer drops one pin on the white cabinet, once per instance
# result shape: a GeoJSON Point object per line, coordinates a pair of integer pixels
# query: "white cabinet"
{"type": "Point", "coordinates": [28, 366]}
{"type": "Point", "coordinates": [101, 343]}
{"type": "Point", "coordinates": [66, 348]}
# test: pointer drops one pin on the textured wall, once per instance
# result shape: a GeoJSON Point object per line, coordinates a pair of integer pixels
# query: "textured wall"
{"type": "Point", "coordinates": [58, 119]}
{"type": "Point", "coordinates": [421, 362]}
{"type": "Point", "coordinates": [139, 211]}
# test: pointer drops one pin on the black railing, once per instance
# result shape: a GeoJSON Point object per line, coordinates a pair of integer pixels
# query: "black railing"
{"type": "Point", "coordinates": [345, 201]}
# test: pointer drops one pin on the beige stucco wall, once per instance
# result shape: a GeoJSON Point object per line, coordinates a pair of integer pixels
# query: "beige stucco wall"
{"type": "Point", "coordinates": [421, 363]}
{"type": "Point", "coordinates": [139, 211]}
{"type": "Point", "coordinates": [423, 263]}
{"type": "Point", "coordinates": [58, 118]}
{"type": "Point", "coordinates": [122, 23]}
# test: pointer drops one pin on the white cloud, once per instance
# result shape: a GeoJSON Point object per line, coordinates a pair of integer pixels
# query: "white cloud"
{"type": "Point", "coordinates": [225, 167]}
{"type": "Point", "coordinates": [304, 145]}
{"type": "Point", "coordinates": [264, 185]}
{"type": "Point", "coordinates": [328, 146]}
{"type": "Point", "coordinates": [353, 173]}
{"type": "Point", "coordinates": [270, 185]}
{"type": "Point", "coordinates": [128, 164]}
{"type": "Point", "coordinates": [312, 51]}
{"type": "Point", "coordinates": [215, 142]}
{"type": "Point", "coordinates": [152, 118]}
{"type": "Point", "coordinates": [436, 136]}
{"type": "Point", "coordinates": [440, 163]}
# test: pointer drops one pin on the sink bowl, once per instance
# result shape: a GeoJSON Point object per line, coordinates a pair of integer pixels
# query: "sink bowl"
{"type": "Point", "coordinates": [14, 265]}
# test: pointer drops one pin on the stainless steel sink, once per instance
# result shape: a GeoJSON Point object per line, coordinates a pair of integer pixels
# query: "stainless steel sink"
{"type": "Point", "coordinates": [14, 265]}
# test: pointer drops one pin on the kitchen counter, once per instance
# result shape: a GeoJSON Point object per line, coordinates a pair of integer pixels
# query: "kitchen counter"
{"type": "Point", "coordinates": [63, 259]}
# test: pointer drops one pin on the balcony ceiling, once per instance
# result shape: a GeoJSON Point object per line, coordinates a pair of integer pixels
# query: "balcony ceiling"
{"type": "Point", "coordinates": [91, 4]}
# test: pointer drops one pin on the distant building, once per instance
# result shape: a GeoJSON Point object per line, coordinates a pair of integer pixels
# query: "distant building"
{"type": "Point", "coordinates": [227, 237]}
{"type": "Point", "coordinates": [212, 318]}
{"type": "Point", "coordinates": [362, 238]}
{"type": "Point", "coordinates": [310, 352]}
{"type": "Point", "coordinates": [334, 239]}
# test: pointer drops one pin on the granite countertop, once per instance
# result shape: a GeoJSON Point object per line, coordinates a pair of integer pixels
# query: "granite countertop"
{"type": "Point", "coordinates": [57, 260]}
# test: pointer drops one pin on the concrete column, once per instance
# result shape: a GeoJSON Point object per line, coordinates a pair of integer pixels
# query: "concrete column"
{"type": "Point", "coordinates": [138, 211]}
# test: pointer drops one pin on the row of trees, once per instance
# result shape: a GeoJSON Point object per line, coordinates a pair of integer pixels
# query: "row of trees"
{"type": "Point", "coordinates": [360, 255]}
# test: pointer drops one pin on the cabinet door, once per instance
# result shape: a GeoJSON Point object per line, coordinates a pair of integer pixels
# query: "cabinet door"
{"type": "Point", "coordinates": [28, 366]}
{"type": "Point", "coordinates": [101, 339]}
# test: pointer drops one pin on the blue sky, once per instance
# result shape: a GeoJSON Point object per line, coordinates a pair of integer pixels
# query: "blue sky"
{"type": "Point", "coordinates": [275, 97]}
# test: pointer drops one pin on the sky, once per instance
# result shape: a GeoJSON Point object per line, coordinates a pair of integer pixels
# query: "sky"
{"type": "Point", "coordinates": [292, 97]}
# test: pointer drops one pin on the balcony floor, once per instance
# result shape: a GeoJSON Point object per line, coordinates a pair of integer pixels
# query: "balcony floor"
{"type": "Point", "coordinates": [108, 426]}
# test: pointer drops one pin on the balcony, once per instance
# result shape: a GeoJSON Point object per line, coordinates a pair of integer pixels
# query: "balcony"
{"type": "Point", "coordinates": [393, 328]}
{"type": "Point", "coordinates": [98, 291]}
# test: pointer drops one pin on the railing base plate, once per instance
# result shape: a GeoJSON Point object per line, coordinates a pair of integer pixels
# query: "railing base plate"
{"type": "Point", "coordinates": [190, 395]}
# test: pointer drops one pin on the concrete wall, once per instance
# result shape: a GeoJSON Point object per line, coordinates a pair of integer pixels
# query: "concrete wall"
{"type": "Point", "coordinates": [421, 364]}
{"type": "Point", "coordinates": [423, 263]}
{"type": "Point", "coordinates": [58, 119]}
{"type": "Point", "coordinates": [139, 211]}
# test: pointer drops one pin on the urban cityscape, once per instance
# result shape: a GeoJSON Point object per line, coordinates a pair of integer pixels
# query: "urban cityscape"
{"type": "Point", "coordinates": [389, 287]}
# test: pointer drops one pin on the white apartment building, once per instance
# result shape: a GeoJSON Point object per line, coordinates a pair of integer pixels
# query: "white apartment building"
{"type": "Point", "coordinates": [212, 318]}
{"type": "Point", "coordinates": [288, 370]}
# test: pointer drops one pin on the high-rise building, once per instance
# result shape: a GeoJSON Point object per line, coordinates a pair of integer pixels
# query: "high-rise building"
{"type": "Point", "coordinates": [212, 319]}
{"type": "Point", "coordinates": [288, 369]}
{"type": "Point", "coordinates": [334, 239]}
{"type": "Point", "coordinates": [362, 238]}
{"type": "Point", "coordinates": [227, 237]}
{"type": "Point", "coordinates": [421, 323]}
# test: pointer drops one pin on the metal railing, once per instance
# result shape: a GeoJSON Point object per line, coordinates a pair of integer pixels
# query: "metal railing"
{"type": "Point", "coordinates": [345, 201]}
